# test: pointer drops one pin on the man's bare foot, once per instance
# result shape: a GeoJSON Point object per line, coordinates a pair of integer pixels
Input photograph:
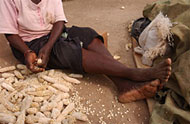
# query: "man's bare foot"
{"type": "Point", "coordinates": [139, 92]}
{"type": "Point", "coordinates": [162, 71]}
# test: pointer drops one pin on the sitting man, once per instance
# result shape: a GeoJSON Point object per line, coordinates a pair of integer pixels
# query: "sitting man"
{"type": "Point", "coordinates": [36, 29]}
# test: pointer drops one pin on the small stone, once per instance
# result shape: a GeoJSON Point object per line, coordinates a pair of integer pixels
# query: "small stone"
{"type": "Point", "coordinates": [128, 119]}
{"type": "Point", "coordinates": [116, 57]}
{"type": "Point", "coordinates": [128, 46]}
{"type": "Point", "coordinates": [122, 8]}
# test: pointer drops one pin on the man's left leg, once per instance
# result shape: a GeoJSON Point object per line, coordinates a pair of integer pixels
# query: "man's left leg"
{"type": "Point", "coordinates": [128, 90]}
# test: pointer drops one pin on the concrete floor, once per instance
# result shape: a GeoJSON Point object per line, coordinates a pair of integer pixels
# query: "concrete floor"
{"type": "Point", "coordinates": [98, 92]}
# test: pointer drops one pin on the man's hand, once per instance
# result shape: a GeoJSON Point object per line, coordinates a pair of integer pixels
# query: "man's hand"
{"type": "Point", "coordinates": [44, 55]}
{"type": "Point", "coordinates": [46, 49]}
{"type": "Point", "coordinates": [30, 60]}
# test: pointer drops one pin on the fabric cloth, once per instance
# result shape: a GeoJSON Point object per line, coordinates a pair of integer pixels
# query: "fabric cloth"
{"type": "Point", "coordinates": [138, 26]}
{"type": "Point", "coordinates": [28, 19]}
{"type": "Point", "coordinates": [66, 52]}
{"type": "Point", "coordinates": [153, 41]}
{"type": "Point", "coordinates": [176, 108]}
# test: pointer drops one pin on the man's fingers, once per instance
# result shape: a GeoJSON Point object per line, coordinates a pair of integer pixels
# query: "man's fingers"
{"type": "Point", "coordinates": [43, 64]}
{"type": "Point", "coordinates": [40, 55]}
{"type": "Point", "coordinates": [44, 57]}
{"type": "Point", "coordinates": [37, 69]}
{"type": "Point", "coordinates": [34, 68]}
{"type": "Point", "coordinates": [30, 65]}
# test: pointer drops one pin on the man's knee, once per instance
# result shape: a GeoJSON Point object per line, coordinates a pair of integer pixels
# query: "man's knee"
{"type": "Point", "coordinates": [96, 41]}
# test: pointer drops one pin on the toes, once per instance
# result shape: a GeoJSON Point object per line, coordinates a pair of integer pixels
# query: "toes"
{"type": "Point", "coordinates": [169, 68]}
{"type": "Point", "coordinates": [169, 73]}
{"type": "Point", "coordinates": [166, 64]}
{"type": "Point", "coordinates": [149, 91]}
{"type": "Point", "coordinates": [152, 87]}
{"type": "Point", "coordinates": [165, 79]}
{"type": "Point", "coordinates": [168, 61]}
{"type": "Point", "coordinates": [149, 94]}
{"type": "Point", "coordinates": [155, 83]}
{"type": "Point", "coordinates": [167, 76]}
{"type": "Point", "coordinates": [161, 86]}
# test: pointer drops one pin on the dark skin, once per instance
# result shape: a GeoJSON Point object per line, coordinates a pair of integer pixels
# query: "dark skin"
{"type": "Point", "coordinates": [111, 67]}
{"type": "Point", "coordinates": [89, 56]}
{"type": "Point", "coordinates": [46, 50]}
{"type": "Point", "coordinates": [36, 1]}
{"type": "Point", "coordinates": [130, 81]}
{"type": "Point", "coordinates": [31, 57]}
{"type": "Point", "coordinates": [128, 90]}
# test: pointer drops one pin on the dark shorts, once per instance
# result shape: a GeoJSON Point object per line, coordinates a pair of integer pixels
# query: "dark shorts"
{"type": "Point", "coordinates": [66, 52]}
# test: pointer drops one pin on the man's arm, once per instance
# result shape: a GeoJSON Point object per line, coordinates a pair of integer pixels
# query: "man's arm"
{"type": "Point", "coordinates": [16, 41]}
{"type": "Point", "coordinates": [55, 34]}
{"type": "Point", "coordinates": [56, 31]}
{"type": "Point", "coordinates": [30, 57]}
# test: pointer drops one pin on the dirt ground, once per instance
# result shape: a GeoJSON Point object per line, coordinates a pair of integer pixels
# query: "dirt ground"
{"type": "Point", "coordinates": [108, 15]}
{"type": "Point", "coordinates": [98, 92]}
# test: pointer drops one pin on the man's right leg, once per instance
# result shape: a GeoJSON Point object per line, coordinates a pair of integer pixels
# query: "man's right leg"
{"type": "Point", "coordinates": [162, 71]}
{"type": "Point", "coordinates": [96, 63]}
